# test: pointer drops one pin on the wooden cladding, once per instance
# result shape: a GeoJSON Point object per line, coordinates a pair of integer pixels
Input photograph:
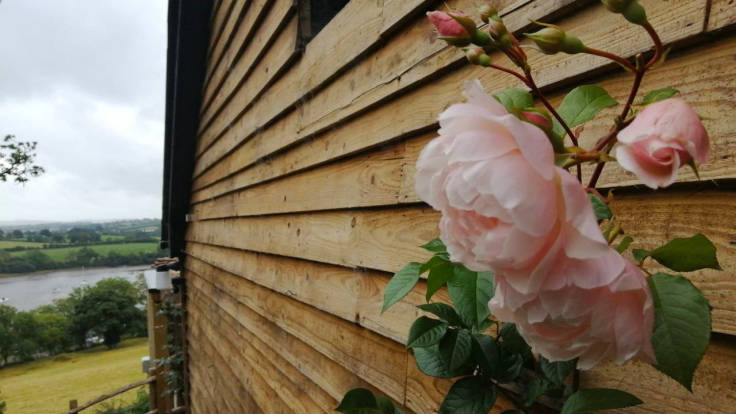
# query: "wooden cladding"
{"type": "Point", "coordinates": [303, 202]}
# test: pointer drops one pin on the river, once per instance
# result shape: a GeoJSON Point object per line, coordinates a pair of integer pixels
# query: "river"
{"type": "Point", "coordinates": [25, 292]}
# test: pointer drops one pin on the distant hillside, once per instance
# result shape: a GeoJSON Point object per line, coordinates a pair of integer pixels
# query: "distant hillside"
{"type": "Point", "coordinates": [107, 226]}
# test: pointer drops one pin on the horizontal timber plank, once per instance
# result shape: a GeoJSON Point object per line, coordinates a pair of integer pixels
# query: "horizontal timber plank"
{"type": "Point", "coordinates": [292, 388]}
{"type": "Point", "coordinates": [323, 371]}
{"type": "Point", "coordinates": [212, 383]}
{"type": "Point", "coordinates": [602, 29]}
{"type": "Point", "coordinates": [714, 386]}
{"type": "Point", "coordinates": [225, 29]}
{"type": "Point", "coordinates": [387, 239]}
{"type": "Point", "coordinates": [378, 360]}
{"type": "Point", "coordinates": [256, 37]}
{"type": "Point", "coordinates": [221, 14]}
{"type": "Point", "coordinates": [722, 14]}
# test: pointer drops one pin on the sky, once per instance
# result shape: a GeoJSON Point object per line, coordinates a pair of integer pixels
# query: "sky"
{"type": "Point", "coordinates": [86, 79]}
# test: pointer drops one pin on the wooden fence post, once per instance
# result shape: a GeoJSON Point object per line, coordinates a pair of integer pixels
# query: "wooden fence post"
{"type": "Point", "coordinates": [72, 404]}
{"type": "Point", "coordinates": [157, 335]}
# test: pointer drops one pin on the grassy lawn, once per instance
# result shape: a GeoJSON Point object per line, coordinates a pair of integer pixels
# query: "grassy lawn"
{"type": "Point", "coordinates": [46, 386]}
{"type": "Point", "coordinates": [6, 244]}
{"type": "Point", "coordinates": [62, 253]}
{"type": "Point", "coordinates": [112, 237]}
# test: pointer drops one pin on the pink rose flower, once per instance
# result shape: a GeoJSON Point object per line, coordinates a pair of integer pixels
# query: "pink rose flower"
{"type": "Point", "coordinates": [505, 206]}
{"type": "Point", "coordinates": [610, 321]}
{"type": "Point", "coordinates": [446, 26]}
{"type": "Point", "coordinates": [665, 136]}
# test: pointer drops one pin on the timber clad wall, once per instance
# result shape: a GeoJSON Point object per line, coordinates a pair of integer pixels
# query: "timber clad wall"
{"type": "Point", "coordinates": [303, 203]}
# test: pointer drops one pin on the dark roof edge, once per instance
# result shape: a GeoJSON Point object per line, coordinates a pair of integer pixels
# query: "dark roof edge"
{"type": "Point", "coordinates": [188, 39]}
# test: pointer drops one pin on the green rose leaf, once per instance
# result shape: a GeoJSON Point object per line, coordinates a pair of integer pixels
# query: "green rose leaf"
{"type": "Point", "coordinates": [682, 326]}
{"type": "Point", "coordinates": [659, 95]}
{"type": "Point", "coordinates": [425, 332]}
{"type": "Point", "coordinates": [600, 208]}
{"type": "Point", "coordinates": [400, 284]}
{"type": "Point", "coordinates": [362, 401]}
{"type": "Point", "coordinates": [455, 348]}
{"type": "Point", "coordinates": [514, 99]}
{"type": "Point", "coordinates": [485, 353]}
{"type": "Point", "coordinates": [439, 274]}
{"type": "Point", "coordinates": [556, 372]}
{"type": "Point", "coordinates": [640, 254]}
{"type": "Point", "coordinates": [582, 104]}
{"type": "Point", "coordinates": [470, 293]}
{"type": "Point", "coordinates": [431, 363]}
{"type": "Point", "coordinates": [688, 254]}
{"type": "Point", "coordinates": [624, 244]}
{"type": "Point", "coordinates": [512, 340]}
{"type": "Point", "coordinates": [444, 312]}
{"type": "Point", "coordinates": [598, 399]}
{"type": "Point", "coordinates": [469, 395]}
{"type": "Point", "coordinates": [509, 367]}
{"type": "Point", "coordinates": [435, 246]}
{"type": "Point", "coordinates": [535, 389]}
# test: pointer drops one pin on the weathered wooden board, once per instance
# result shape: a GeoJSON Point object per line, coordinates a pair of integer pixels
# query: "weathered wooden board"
{"type": "Point", "coordinates": [705, 77]}
{"type": "Point", "coordinates": [278, 377]}
{"type": "Point", "coordinates": [603, 28]}
{"type": "Point", "coordinates": [239, 63]}
{"type": "Point", "coordinates": [378, 360]}
{"type": "Point", "coordinates": [220, 15]}
{"type": "Point", "coordinates": [225, 35]}
{"type": "Point", "coordinates": [722, 14]}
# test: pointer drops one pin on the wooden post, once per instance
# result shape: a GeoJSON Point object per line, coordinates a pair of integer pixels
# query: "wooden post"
{"type": "Point", "coordinates": [157, 326]}
{"type": "Point", "coordinates": [72, 404]}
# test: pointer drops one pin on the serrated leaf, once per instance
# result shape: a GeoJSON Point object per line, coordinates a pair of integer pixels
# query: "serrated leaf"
{"type": "Point", "coordinates": [687, 254]}
{"type": "Point", "coordinates": [624, 244]}
{"type": "Point", "coordinates": [536, 388]}
{"type": "Point", "coordinates": [581, 105]}
{"type": "Point", "coordinates": [485, 353]}
{"type": "Point", "coordinates": [455, 348]}
{"type": "Point", "coordinates": [444, 312]}
{"type": "Point", "coordinates": [514, 99]}
{"type": "Point", "coordinates": [387, 406]}
{"type": "Point", "coordinates": [659, 95]}
{"type": "Point", "coordinates": [557, 371]}
{"type": "Point", "coordinates": [512, 340]}
{"type": "Point", "coordinates": [512, 412]}
{"type": "Point", "coordinates": [355, 399]}
{"type": "Point", "coordinates": [439, 274]}
{"type": "Point", "coordinates": [682, 326]}
{"type": "Point", "coordinates": [600, 208]}
{"type": "Point", "coordinates": [400, 284]}
{"type": "Point", "coordinates": [470, 292]}
{"type": "Point", "coordinates": [435, 246]}
{"type": "Point", "coordinates": [597, 399]}
{"type": "Point", "coordinates": [509, 367]}
{"type": "Point", "coordinates": [469, 395]}
{"type": "Point", "coordinates": [640, 254]}
{"type": "Point", "coordinates": [425, 332]}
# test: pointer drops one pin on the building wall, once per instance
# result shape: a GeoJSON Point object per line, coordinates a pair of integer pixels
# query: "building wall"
{"type": "Point", "coordinates": [303, 202]}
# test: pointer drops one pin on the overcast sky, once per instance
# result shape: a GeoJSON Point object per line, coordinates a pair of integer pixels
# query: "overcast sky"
{"type": "Point", "coordinates": [86, 79]}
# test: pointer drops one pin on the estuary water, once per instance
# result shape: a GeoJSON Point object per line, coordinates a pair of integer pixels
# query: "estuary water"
{"type": "Point", "coordinates": [25, 292]}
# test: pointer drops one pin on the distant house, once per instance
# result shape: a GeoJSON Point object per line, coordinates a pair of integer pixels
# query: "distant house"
{"type": "Point", "coordinates": [292, 130]}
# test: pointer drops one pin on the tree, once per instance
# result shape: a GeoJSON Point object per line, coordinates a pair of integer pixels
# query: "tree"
{"type": "Point", "coordinates": [39, 259]}
{"type": "Point", "coordinates": [17, 160]}
{"type": "Point", "coordinates": [108, 309]}
{"type": "Point", "coordinates": [17, 234]}
{"type": "Point", "coordinates": [26, 331]}
{"type": "Point", "coordinates": [79, 235]}
{"type": "Point", "coordinates": [54, 330]}
{"type": "Point", "coordinates": [7, 314]}
{"type": "Point", "coordinates": [83, 257]}
{"type": "Point", "coordinates": [45, 232]}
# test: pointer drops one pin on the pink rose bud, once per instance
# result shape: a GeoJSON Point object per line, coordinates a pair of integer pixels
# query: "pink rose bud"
{"type": "Point", "coordinates": [477, 56]}
{"type": "Point", "coordinates": [665, 136]}
{"type": "Point", "coordinates": [452, 27]}
{"type": "Point", "coordinates": [552, 39]}
{"type": "Point", "coordinates": [536, 117]}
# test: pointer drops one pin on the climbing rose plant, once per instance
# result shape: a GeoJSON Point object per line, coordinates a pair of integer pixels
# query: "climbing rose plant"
{"type": "Point", "coordinates": [534, 262]}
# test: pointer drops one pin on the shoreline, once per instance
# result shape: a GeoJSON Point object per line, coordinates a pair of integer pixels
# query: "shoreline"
{"type": "Point", "coordinates": [141, 267]}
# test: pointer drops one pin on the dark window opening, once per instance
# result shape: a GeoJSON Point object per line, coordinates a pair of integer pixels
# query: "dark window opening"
{"type": "Point", "coordinates": [315, 14]}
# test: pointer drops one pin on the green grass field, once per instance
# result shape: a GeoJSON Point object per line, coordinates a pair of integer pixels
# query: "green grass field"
{"type": "Point", "coordinates": [46, 386]}
{"type": "Point", "coordinates": [6, 244]}
{"type": "Point", "coordinates": [62, 253]}
{"type": "Point", "coordinates": [111, 237]}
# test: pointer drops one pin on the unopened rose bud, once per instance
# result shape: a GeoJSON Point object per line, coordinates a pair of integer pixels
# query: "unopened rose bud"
{"type": "Point", "coordinates": [536, 117]}
{"type": "Point", "coordinates": [630, 9]}
{"type": "Point", "coordinates": [449, 27]}
{"type": "Point", "coordinates": [477, 56]}
{"type": "Point", "coordinates": [497, 29]}
{"type": "Point", "coordinates": [486, 11]}
{"type": "Point", "coordinates": [552, 39]}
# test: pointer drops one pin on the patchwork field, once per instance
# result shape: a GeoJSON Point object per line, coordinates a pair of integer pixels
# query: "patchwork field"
{"type": "Point", "coordinates": [46, 386]}
{"type": "Point", "coordinates": [6, 244]}
{"type": "Point", "coordinates": [62, 253]}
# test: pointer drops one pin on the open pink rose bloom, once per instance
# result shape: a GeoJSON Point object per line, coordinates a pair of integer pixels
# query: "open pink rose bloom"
{"type": "Point", "coordinates": [508, 209]}
{"type": "Point", "coordinates": [665, 136]}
